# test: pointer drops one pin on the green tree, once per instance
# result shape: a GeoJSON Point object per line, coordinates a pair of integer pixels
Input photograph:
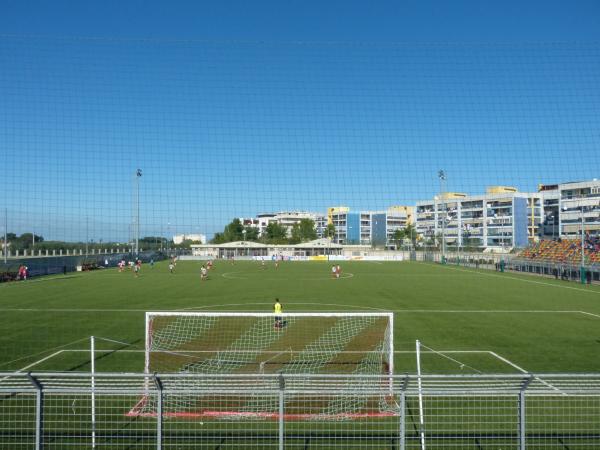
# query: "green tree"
{"type": "Point", "coordinates": [275, 234]}
{"type": "Point", "coordinates": [410, 233]}
{"type": "Point", "coordinates": [25, 241]}
{"type": "Point", "coordinates": [233, 231]}
{"type": "Point", "coordinates": [218, 238]}
{"type": "Point", "coordinates": [251, 233]}
{"type": "Point", "coordinates": [398, 236]}
{"type": "Point", "coordinates": [303, 231]}
{"type": "Point", "coordinates": [329, 231]}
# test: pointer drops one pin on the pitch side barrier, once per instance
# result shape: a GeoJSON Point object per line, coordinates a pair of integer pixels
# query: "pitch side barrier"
{"type": "Point", "coordinates": [89, 410]}
{"type": "Point", "coordinates": [513, 263]}
{"type": "Point", "coordinates": [52, 265]}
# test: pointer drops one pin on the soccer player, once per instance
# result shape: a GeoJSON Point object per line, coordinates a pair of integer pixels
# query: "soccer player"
{"type": "Point", "coordinates": [338, 271]}
{"type": "Point", "coordinates": [333, 271]}
{"type": "Point", "coordinates": [171, 267]}
{"type": "Point", "coordinates": [203, 273]}
{"type": "Point", "coordinates": [277, 310]}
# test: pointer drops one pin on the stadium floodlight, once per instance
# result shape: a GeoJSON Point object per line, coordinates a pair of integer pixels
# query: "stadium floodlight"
{"type": "Point", "coordinates": [582, 211]}
{"type": "Point", "coordinates": [5, 235]}
{"type": "Point", "coordinates": [309, 344]}
{"type": "Point", "coordinates": [138, 175]}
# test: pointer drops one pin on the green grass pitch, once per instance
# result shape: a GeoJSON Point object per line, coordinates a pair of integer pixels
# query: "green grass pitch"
{"type": "Point", "coordinates": [485, 321]}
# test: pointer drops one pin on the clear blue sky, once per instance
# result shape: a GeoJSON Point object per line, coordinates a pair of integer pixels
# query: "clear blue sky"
{"type": "Point", "coordinates": [315, 20]}
{"type": "Point", "coordinates": [236, 108]}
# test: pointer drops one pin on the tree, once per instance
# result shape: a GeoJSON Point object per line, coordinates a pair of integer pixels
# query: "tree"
{"type": "Point", "coordinates": [398, 236]}
{"type": "Point", "coordinates": [303, 231]}
{"type": "Point", "coordinates": [329, 231]}
{"type": "Point", "coordinates": [25, 241]}
{"type": "Point", "coordinates": [410, 233]}
{"type": "Point", "coordinates": [218, 238]}
{"type": "Point", "coordinates": [275, 234]}
{"type": "Point", "coordinates": [251, 233]}
{"type": "Point", "coordinates": [233, 231]}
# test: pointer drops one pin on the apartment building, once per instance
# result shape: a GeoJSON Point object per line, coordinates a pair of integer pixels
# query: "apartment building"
{"type": "Point", "coordinates": [579, 208]}
{"type": "Point", "coordinates": [501, 218]}
{"type": "Point", "coordinates": [374, 228]}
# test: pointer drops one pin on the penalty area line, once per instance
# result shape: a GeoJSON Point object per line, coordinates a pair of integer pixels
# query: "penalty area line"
{"type": "Point", "coordinates": [520, 369]}
{"type": "Point", "coordinates": [35, 363]}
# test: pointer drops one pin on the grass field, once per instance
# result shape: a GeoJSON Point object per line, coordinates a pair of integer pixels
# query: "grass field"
{"type": "Point", "coordinates": [481, 321]}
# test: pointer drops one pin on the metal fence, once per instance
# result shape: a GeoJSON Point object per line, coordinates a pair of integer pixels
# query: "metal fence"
{"type": "Point", "coordinates": [560, 270]}
{"type": "Point", "coordinates": [182, 411]}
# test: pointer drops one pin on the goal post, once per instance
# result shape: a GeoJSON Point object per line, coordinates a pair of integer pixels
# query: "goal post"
{"type": "Point", "coordinates": [301, 345]}
{"type": "Point", "coordinates": [288, 343]}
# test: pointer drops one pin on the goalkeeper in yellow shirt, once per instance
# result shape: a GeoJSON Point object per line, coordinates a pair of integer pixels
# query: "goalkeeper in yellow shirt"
{"type": "Point", "coordinates": [277, 310]}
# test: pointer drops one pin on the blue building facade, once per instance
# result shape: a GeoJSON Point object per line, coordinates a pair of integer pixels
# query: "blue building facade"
{"type": "Point", "coordinates": [353, 228]}
{"type": "Point", "coordinates": [378, 229]}
{"type": "Point", "coordinates": [520, 218]}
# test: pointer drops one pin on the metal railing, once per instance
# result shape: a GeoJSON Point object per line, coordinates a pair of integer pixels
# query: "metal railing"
{"type": "Point", "coordinates": [181, 411]}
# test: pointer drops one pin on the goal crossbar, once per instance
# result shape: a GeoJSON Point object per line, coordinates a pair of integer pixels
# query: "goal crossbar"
{"type": "Point", "coordinates": [151, 315]}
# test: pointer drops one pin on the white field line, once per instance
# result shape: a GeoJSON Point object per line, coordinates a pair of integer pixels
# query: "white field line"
{"type": "Point", "coordinates": [287, 302]}
{"type": "Point", "coordinates": [506, 361]}
{"type": "Point", "coordinates": [518, 279]}
{"type": "Point", "coordinates": [230, 276]}
{"type": "Point", "coordinates": [39, 280]}
{"type": "Point", "coordinates": [75, 310]}
{"type": "Point", "coordinates": [23, 369]}
{"type": "Point", "coordinates": [291, 302]}
{"type": "Point", "coordinates": [520, 369]}
{"type": "Point", "coordinates": [269, 351]}
{"type": "Point", "coordinates": [483, 311]}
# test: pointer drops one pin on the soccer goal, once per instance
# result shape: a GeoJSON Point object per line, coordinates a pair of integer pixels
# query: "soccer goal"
{"type": "Point", "coordinates": [251, 343]}
{"type": "Point", "coordinates": [299, 346]}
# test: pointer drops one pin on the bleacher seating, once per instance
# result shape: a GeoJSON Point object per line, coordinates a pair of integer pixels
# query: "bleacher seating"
{"type": "Point", "coordinates": [565, 250]}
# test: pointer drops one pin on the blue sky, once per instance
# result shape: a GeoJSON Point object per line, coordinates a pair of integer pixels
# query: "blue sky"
{"type": "Point", "coordinates": [345, 20]}
{"type": "Point", "coordinates": [236, 108]}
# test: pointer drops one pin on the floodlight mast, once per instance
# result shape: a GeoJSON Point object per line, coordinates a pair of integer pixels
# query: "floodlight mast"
{"type": "Point", "coordinates": [138, 175]}
{"type": "Point", "coordinates": [5, 235]}
{"type": "Point", "coordinates": [442, 177]}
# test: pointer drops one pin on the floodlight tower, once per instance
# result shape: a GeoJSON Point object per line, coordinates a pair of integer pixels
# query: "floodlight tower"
{"type": "Point", "coordinates": [442, 178]}
{"type": "Point", "coordinates": [582, 211]}
{"type": "Point", "coordinates": [5, 235]}
{"type": "Point", "coordinates": [138, 175]}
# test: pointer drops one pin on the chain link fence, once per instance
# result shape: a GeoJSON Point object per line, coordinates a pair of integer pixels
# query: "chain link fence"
{"type": "Point", "coordinates": [110, 411]}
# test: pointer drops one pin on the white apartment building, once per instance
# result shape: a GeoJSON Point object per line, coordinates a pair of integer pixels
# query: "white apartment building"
{"type": "Point", "coordinates": [505, 218]}
{"type": "Point", "coordinates": [502, 218]}
{"type": "Point", "coordinates": [179, 238]}
{"type": "Point", "coordinates": [579, 208]}
{"type": "Point", "coordinates": [368, 227]}
{"type": "Point", "coordinates": [286, 219]}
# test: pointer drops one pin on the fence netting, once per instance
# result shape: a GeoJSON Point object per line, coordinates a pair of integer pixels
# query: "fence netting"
{"type": "Point", "coordinates": [58, 410]}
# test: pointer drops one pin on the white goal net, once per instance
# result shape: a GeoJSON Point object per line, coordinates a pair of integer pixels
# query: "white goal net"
{"type": "Point", "coordinates": [308, 343]}
{"type": "Point", "coordinates": [235, 344]}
